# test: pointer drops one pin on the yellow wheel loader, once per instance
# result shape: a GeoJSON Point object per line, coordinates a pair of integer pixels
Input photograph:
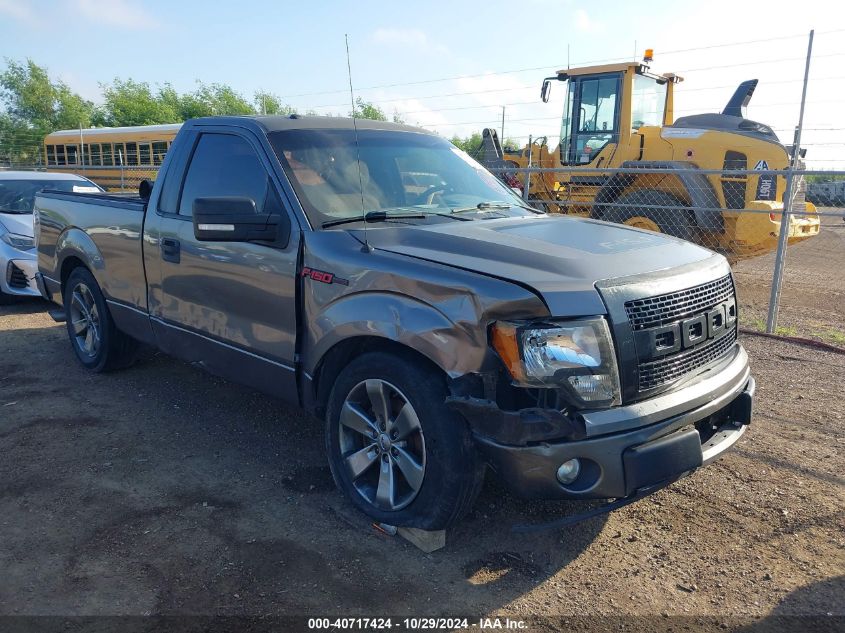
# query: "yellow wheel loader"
{"type": "Point", "coordinates": [618, 119]}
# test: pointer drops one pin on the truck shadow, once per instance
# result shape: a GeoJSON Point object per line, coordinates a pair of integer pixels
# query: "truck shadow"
{"type": "Point", "coordinates": [25, 305]}
{"type": "Point", "coordinates": [173, 491]}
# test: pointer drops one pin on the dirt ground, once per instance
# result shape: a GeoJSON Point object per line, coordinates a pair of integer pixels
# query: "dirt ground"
{"type": "Point", "coordinates": [163, 490]}
{"type": "Point", "coordinates": [812, 300]}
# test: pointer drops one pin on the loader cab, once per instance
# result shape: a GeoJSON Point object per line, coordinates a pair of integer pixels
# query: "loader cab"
{"type": "Point", "coordinates": [605, 105]}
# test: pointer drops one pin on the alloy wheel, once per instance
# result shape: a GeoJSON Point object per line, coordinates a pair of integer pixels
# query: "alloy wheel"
{"type": "Point", "coordinates": [85, 321]}
{"type": "Point", "coordinates": [382, 444]}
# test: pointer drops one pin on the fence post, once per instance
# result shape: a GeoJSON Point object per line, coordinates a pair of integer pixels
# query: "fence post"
{"type": "Point", "coordinates": [527, 184]}
{"type": "Point", "coordinates": [122, 181]}
{"type": "Point", "coordinates": [783, 238]}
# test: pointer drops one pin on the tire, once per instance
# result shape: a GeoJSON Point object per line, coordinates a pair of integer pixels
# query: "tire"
{"type": "Point", "coordinates": [437, 488]}
{"type": "Point", "coordinates": [677, 220]}
{"type": "Point", "coordinates": [97, 343]}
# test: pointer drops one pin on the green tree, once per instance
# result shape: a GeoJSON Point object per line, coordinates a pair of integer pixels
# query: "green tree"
{"type": "Point", "coordinates": [366, 110]}
{"type": "Point", "coordinates": [34, 101]}
{"type": "Point", "coordinates": [470, 144]}
{"type": "Point", "coordinates": [269, 103]}
{"type": "Point", "coordinates": [128, 102]}
{"type": "Point", "coordinates": [221, 99]}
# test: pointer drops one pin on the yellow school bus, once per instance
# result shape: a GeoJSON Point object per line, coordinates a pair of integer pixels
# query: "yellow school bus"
{"type": "Point", "coordinates": [114, 157]}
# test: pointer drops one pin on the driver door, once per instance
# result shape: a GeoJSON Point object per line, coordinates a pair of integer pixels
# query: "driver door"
{"type": "Point", "coordinates": [228, 306]}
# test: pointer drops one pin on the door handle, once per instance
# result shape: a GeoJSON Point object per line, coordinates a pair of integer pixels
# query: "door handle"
{"type": "Point", "coordinates": [170, 249]}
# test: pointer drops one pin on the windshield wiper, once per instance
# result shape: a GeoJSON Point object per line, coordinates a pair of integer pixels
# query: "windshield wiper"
{"type": "Point", "coordinates": [488, 206]}
{"type": "Point", "coordinates": [375, 216]}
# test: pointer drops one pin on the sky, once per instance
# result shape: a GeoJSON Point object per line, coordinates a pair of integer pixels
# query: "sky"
{"type": "Point", "coordinates": [450, 66]}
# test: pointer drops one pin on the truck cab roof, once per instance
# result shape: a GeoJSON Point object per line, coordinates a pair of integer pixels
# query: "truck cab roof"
{"type": "Point", "coordinates": [275, 123]}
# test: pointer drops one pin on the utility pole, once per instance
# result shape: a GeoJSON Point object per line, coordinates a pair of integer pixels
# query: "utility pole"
{"type": "Point", "coordinates": [503, 126]}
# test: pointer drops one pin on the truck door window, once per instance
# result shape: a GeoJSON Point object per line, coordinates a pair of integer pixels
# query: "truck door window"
{"type": "Point", "coordinates": [224, 165]}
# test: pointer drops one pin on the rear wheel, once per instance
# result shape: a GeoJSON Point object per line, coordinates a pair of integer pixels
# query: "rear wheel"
{"type": "Point", "coordinates": [97, 343]}
{"type": "Point", "coordinates": [652, 210]}
{"type": "Point", "coordinates": [395, 449]}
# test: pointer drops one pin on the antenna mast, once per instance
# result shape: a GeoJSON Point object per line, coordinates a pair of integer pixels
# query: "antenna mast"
{"type": "Point", "coordinates": [367, 248]}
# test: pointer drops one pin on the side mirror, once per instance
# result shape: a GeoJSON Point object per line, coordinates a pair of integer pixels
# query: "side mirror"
{"type": "Point", "coordinates": [234, 219]}
{"type": "Point", "coordinates": [545, 90]}
{"type": "Point", "coordinates": [145, 189]}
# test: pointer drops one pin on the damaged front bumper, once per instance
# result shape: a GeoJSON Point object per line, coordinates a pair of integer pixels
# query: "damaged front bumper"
{"type": "Point", "coordinates": [621, 450]}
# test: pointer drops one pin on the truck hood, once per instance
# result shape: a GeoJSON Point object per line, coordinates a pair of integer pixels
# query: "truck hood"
{"type": "Point", "coordinates": [20, 223]}
{"type": "Point", "coordinates": [560, 258]}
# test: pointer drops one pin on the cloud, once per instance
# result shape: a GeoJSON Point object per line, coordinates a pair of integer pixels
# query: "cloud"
{"type": "Point", "coordinates": [414, 38]}
{"type": "Point", "coordinates": [17, 10]}
{"type": "Point", "coordinates": [584, 22]}
{"type": "Point", "coordinates": [114, 13]}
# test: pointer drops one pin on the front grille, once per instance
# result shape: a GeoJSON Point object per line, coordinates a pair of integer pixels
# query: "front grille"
{"type": "Point", "coordinates": [667, 370]}
{"type": "Point", "coordinates": [17, 277]}
{"type": "Point", "coordinates": [668, 308]}
{"type": "Point", "coordinates": [672, 309]}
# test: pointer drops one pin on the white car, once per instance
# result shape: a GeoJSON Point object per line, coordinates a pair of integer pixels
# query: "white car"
{"type": "Point", "coordinates": [18, 263]}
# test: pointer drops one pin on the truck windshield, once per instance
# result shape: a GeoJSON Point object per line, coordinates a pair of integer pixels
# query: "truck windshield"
{"type": "Point", "coordinates": [648, 103]}
{"type": "Point", "coordinates": [18, 196]}
{"type": "Point", "coordinates": [400, 171]}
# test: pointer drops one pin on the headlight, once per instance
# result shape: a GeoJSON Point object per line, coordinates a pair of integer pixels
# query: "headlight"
{"type": "Point", "coordinates": [20, 242]}
{"type": "Point", "coordinates": [576, 355]}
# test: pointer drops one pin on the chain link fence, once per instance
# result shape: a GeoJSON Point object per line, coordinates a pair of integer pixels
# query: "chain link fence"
{"type": "Point", "coordinates": [738, 212]}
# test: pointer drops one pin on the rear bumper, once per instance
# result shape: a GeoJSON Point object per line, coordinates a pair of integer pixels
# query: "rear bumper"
{"type": "Point", "coordinates": [666, 445]}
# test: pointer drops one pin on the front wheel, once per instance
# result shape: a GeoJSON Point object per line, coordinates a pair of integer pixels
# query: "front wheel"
{"type": "Point", "coordinates": [97, 343]}
{"type": "Point", "coordinates": [395, 449]}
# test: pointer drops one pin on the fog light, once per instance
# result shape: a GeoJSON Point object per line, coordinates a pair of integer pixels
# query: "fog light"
{"type": "Point", "coordinates": [569, 471]}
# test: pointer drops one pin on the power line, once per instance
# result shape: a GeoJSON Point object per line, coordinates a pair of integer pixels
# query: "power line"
{"type": "Point", "coordinates": [551, 66]}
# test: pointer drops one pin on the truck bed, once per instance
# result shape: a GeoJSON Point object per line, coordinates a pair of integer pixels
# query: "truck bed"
{"type": "Point", "coordinates": [103, 228]}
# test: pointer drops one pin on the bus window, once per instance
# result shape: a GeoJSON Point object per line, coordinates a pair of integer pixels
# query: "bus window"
{"type": "Point", "coordinates": [51, 154]}
{"type": "Point", "coordinates": [70, 150]}
{"type": "Point", "coordinates": [131, 156]}
{"type": "Point", "coordinates": [86, 154]}
{"type": "Point", "coordinates": [144, 154]}
{"type": "Point", "coordinates": [159, 150]}
{"type": "Point", "coordinates": [106, 151]}
{"type": "Point", "coordinates": [119, 154]}
{"type": "Point", "coordinates": [94, 150]}
{"type": "Point", "coordinates": [60, 155]}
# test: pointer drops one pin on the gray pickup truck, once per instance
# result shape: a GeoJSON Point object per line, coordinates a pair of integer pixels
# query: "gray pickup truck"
{"type": "Point", "coordinates": [380, 278]}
